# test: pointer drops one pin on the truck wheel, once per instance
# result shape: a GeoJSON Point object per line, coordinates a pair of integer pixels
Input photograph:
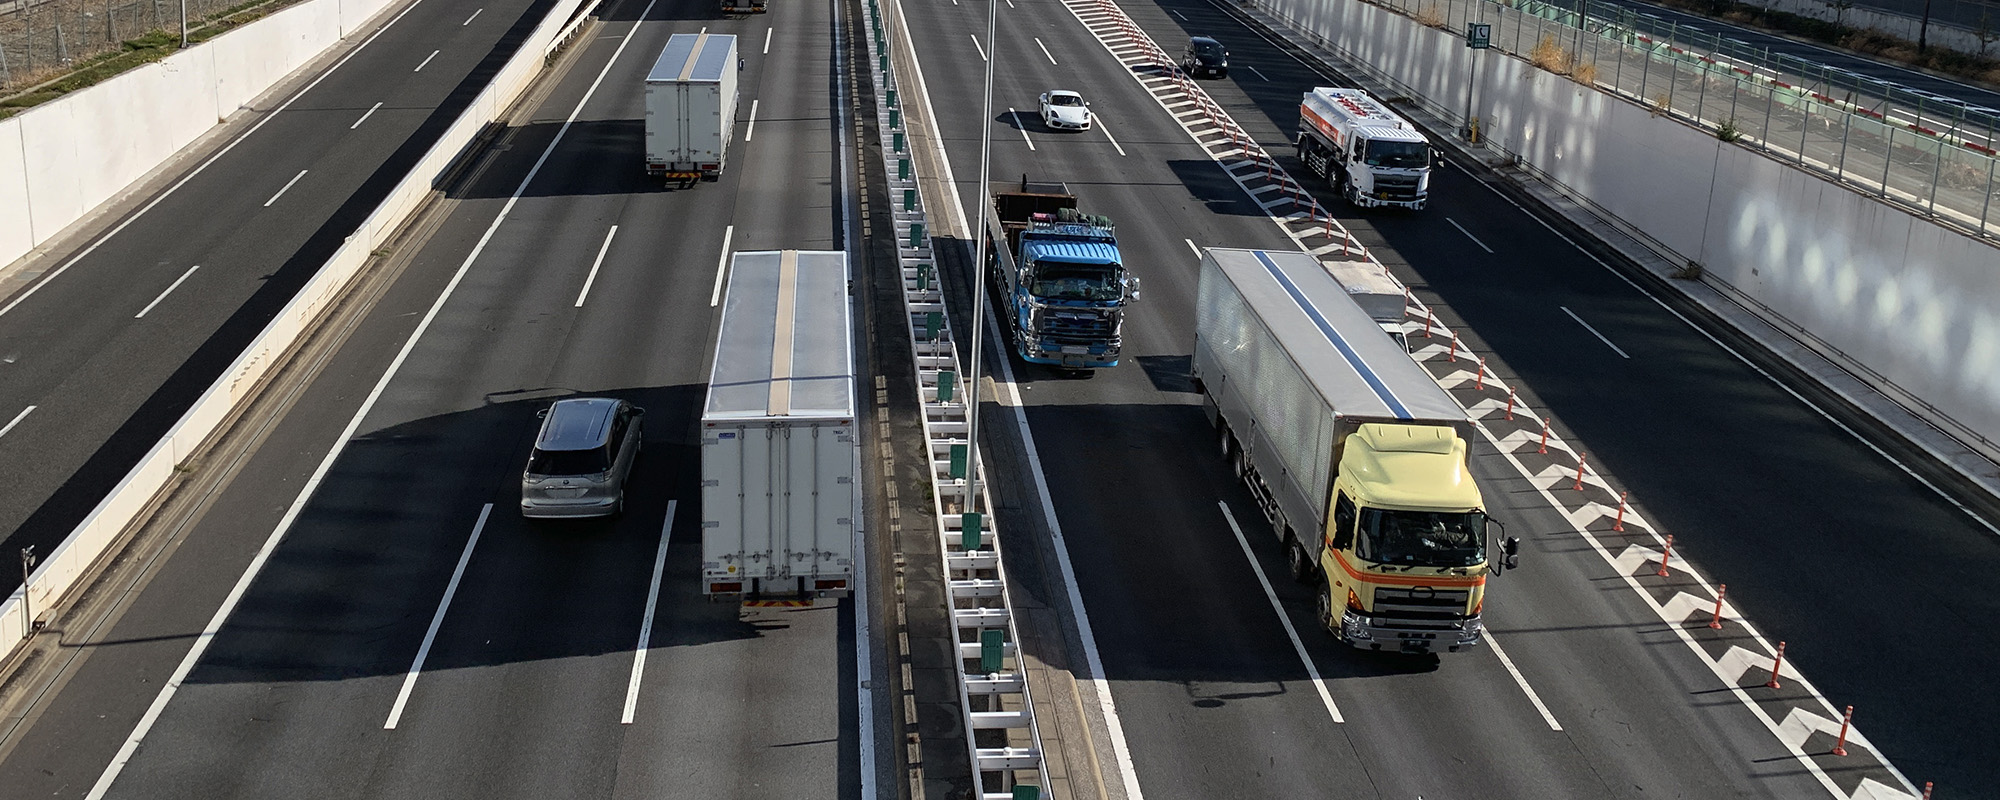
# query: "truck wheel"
{"type": "Point", "coordinates": [1239, 464]}
{"type": "Point", "coordinates": [1223, 440]}
{"type": "Point", "coordinates": [1324, 609]}
{"type": "Point", "coordinates": [1297, 558]}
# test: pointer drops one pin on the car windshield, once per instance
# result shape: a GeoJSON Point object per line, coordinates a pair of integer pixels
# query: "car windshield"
{"type": "Point", "coordinates": [1403, 155]}
{"type": "Point", "coordinates": [1057, 281]}
{"type": "Point", "coordinates": [1065, 100]}
{"type": "Point", "coordinates": [1210, 49]}
{"type": "Point", "coordinates": [568, 462]}
{"type": "Point", "coordinates": [1422, 538]}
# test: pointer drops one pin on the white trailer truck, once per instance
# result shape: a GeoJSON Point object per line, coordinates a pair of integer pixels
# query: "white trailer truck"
{"type": "Point", "coordinates": [1355, 455]}
{"type": "Point", "coordinates": [1371, 155]}
{"type": "Point", "coordinates": [779, 456]}
{"type": "Point", "coordinates": [691, 107]}
{"type": "Point", "coordinates": [1378, 294]}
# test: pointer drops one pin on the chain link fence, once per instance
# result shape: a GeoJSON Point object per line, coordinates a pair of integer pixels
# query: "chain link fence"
{"type": "Point", "coordinates": [1932, 154]}
{"type": "Point", "coordinates": [42, 40]}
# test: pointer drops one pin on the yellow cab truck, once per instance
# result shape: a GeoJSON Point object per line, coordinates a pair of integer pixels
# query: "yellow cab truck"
{"type": "Point", "coordinates": [1355, 455]}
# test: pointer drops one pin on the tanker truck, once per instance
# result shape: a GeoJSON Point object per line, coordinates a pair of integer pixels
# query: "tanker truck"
{"type": "Point", "coordinates": [1369, 154]}
{"type": "Point", "coordinates": [1354, 454]}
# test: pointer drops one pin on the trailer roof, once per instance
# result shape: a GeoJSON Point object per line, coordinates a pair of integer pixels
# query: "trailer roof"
{"type": "Point", "coordinates": [785, 349]}
{"type": "Point", "coordinates": [1332, 340]}
{"type": "Point", "coordinates": [694, 57]}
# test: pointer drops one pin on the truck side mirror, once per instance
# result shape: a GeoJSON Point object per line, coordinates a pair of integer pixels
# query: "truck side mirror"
{"type": "Point", "coordinates": [1132, 286]}
{"type": "Point", "coordinates": [1511, 548]}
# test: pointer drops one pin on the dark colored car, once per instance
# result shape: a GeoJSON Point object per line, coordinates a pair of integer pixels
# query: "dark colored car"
{"type": "Point", "coordinates": [1205, 56]}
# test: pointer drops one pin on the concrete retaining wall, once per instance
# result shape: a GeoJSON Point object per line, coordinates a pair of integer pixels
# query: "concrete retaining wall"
{"type": "Point", "coordinates": [71, 560]}
{"type": "Point", "coordinates": [1908, 300]}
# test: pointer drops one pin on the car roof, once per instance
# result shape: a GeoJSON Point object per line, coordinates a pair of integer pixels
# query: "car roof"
{"type": "Point", "coordinates": [1061, 93]}
{"type": "Point", "coordinates": [577, 423]}
{"type": "Point", "coordinates": [1203, 40]}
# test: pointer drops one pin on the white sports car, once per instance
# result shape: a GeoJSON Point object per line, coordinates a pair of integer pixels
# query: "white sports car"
{"type": "Point", "coordinates": [1065, 110]}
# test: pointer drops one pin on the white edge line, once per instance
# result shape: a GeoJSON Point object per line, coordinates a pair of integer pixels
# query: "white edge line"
{"type": "Point", "coordinates": [437, 620]}
{"type": "Point", "coordinates": [427, 60]}
{"type": "Point", "coordinates": [1093, 663]}
{"type": "Point", "coordinates": [1021, 126]}
{"type": "Point", "coordinates": [364, 116]}
{"type": "Point", "coordinates": [1045, 51]}
{"type": "Point", "coordinates": [1291, 632]}
{"type": "Point", "coordinates": [51, 276]}
{"type": "Point", "coordinates": [1522, 682]}
{"type": "Point", "coordinates": [594, 265]}
{"type": "Point", "coordinates": [646, 627]}
{"type": "Point", "coordinates": [287, 188]}
{"type": "Point", "coordinates": [1468, 235]}
{"type": "Point", "coordinates": [163, 295]}
{"type": "Point", "coordinates": [1107, 135]}
{"type": "Point", "coordinates": [1593, 332]}
{"type": "Point", "coordinates": [721, 266]}
{"type": "Point", "coordinates": [752, 129]}
{"type": "Point", "coordinates": [208, 633]}
{"type": "Point", "coordinates": [17, 420]}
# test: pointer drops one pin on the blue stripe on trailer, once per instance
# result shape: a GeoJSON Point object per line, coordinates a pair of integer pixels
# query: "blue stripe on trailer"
{"type": "Point", "coordinates": [1326, 329]}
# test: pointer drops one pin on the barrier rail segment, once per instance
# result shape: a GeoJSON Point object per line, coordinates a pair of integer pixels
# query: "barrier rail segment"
{"type": "Point", "coordinates": [1933, 155]}
{"type": "Point", "coordinates": [1003, 740]}
{"type": "Point", "coordinates": [60, 570]}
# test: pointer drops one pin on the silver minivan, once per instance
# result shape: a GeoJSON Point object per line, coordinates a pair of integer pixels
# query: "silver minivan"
{"type": "Point", "coordinates": [584, 451]}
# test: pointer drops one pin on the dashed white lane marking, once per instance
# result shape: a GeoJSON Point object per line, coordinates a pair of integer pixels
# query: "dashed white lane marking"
{"type": "Point", "coordinates": [1468, 235]}
{"type": "Point", "coordinates": [208, 633]}
{"type": "Point", "coordinates": [427, 60]}
{"type": "Point", "coordinates": [1260, 75]}
{"type": "Point", "coordinates": [767, 40]}
{"type": "Point", "coordinates": [170, 290]}
{"type": "Point", "coordinates": [1593, 332]}
{"type": "Point", "coordinates": [980, 47]}
{"type": "Point", "coordinates": [1522, 682]}
{"type": "Point", "coordinates": [1045, 50]}
{"type": "Point", "coordinates": [364, 116]}
{"type": "Point", "coordinates": [287, 187]}
{"type": "Point", "coordinates": [468, 20]}
{"type": "Point", "coordinates": [1312, 670]}
{"type": "Point", "coordinates": [437, 621]}
{"type": "Point", "coordinates": [1177, 14]}
{"type": "Point", "coordinates": [646, 625]}
{"type": "Point", "coordinates": [1022, 127]}
{"type": "Point", "coordinates": [1106, 130]}
{"type": "Point", "coordinates": [751, 131]}
{"type": "Point", "coordinates": [1191, 246]}
{"type": "Point", "coordinates": [17, 420]}
{"type": "Point", "coordinates": [594, 265]}
{"type": "Point", "coordinates": [721, 266]}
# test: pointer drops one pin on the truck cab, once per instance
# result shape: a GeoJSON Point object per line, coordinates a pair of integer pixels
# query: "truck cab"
{"type": "Point", "coordinates": [1388, 165]}
{"type": "Point", "coordinates": [1063, 282]}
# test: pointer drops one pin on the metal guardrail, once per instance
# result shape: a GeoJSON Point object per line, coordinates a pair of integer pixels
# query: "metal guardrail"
{"type": "Point", "coordinates": [1930, 154]}
{"type": "Point", "coordinates": [1003, 741]}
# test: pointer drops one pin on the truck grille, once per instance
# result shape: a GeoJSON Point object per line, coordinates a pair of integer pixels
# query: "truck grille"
{"type": "Point", "coordinates": [1397, 187]}
{"type": "Point", "coordinates": [1423, 603]}
{"type": "Point", "coordinates": [1077, 327]}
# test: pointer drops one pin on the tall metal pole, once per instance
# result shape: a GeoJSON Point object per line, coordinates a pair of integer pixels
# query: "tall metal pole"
{"type": "Point", "coordinates": [979, 267]}
{"type": "Point", "coordinates": [184, 24]}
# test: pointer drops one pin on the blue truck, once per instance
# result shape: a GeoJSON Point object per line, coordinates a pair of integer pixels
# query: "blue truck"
{"type": "Point", "coordinates": [1063, 287]}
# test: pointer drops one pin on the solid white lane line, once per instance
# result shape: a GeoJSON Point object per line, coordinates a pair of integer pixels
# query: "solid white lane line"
{"type": "Point", "coordinates": [1260, 75]}
{"type": "Point", "coordinates": [646, 626]}
{"type": "Point", "coordinates": [1045, 50]}
{"type": "Point", "coordinates": [288, 185]}
{"type": "Point", "coordinates": [592, 278]}
{"type": "Point", "coordinates": [752, 130]}
{"type": "Point", "coordinates": [1468, 234]}
{"type": "Point", "coordinates": [1191, 246]}
{"type": "Point", "coordinates": [721, 266]}
{"type": "Point", "coordinates": [976, 44]}
{"type": "Point", "coordinates": [17, 420]}
{"type": "Point", "coordinates": [468, 20]}
{"type": "Point", "coordinates": [365, 116]}
{"type": "Point", "coordinates": [228, 607]}
{"type": "Point", "coordinates": [1019, 126]}
{"type": "Point", "coordinates": [170, 290]}
{"type": "Point", "coordinates": [437, 621]}
{"type": "Point", "coordinates": [1593, 332]}
{"type": "Point", "coordinates": [1107, 135]}
{"type": "Point", "coordinates": [767, 40]}
{"type": "Point", "coordinates": [51, 275]}
{"type": "Point", "coordinates": [1522, 682]}
{"type": "Point", "coordinates": [427, 60]}
{"type": "Point", "coordinates": [1312, 670]}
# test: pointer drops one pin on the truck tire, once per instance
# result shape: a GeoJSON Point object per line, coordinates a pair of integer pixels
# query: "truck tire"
{"type": "Point", "coordinates": [1239, 464]}
{"type": "Point", "coordinates": [1323, 609]}
{"type": "Point", "coordinates": [1297, 559]}
{"type": "Point", "coordinates": [1223, 440]}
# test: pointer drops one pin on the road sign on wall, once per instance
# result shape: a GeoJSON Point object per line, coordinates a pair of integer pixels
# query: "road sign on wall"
{"type": "Point", "coordinates": [1478, 35]}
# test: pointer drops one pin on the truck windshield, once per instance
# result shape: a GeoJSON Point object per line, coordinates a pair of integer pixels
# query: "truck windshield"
{"type": "Point", "coordinates": [1422, 538]}
{"type": "Point", "coordinates": [1398, 155]}
{"type": "Point", "coordinates": [1057, 281]}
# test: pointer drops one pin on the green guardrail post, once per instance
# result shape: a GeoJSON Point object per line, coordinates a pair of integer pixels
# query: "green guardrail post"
{"type": "Point", "coordinates": [916, 235]}
{"type": "Point", "coordinates": [972, 535]}
{"type": "Point", "coordinates": [895, 118]}
{"type": "Point", "coordinates": [892, 98]}
{"type": "Point", "coordinates": [897, 138]}
{"type": "Point", "coordinates": [992, 645]}
{"type": "Point", "coordinates": [909, 199]}
{"type": "Point", "coordinates": [924, 277]}
{"type": "Point", "coordinates": [933, 325]}
{"type": "Point", "coordinates": [1022, 792]}
{"type": "Point", "coordinates": [884, 71]}
{"type": "Point", "coordinates": [903, 172]}
{"type": "Point", "coordinates": [958, 461]}
{"type": "Point", "coordinates": [946, 380]}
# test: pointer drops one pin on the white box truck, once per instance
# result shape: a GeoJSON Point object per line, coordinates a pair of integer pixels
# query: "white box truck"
{"type": "Point", "coordinates": [1376, 292]}
{"type": "Point", "coordinates": [1367, 152]}
{"type": "Point", "coordinates": [691, 107]}
{"type": "Point", "coordinates": [779, 456]}
{"type": "Point", "coordinates": [1354, 453]}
